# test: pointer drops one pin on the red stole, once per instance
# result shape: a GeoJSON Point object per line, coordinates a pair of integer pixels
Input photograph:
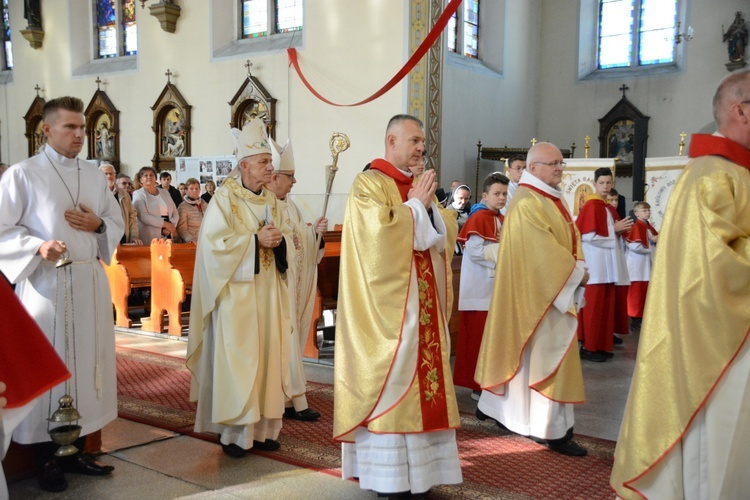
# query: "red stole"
{"type": "Point", "coordinates": [430, 374]}
{"type": "Point", "coordinates": [483, 223]}
{"type": "Point", "coordinates": [566, 215]}
{"type": "Point", "coordinates": [593, 216]}
{"type": "Point", "coordinates": [639, 232]}
{"type": "Point", "coordinates": [713, 145]}
{"type": "Point", "coordinates": [29, 365]}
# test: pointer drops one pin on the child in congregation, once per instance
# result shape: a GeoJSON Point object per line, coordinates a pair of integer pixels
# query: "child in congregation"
{"type": "Point", "coordinates": [622, 322]}
{"type": "Point", "coordinates": [641, 243]}
{"type": "Point", "coordinates": [480, 237]}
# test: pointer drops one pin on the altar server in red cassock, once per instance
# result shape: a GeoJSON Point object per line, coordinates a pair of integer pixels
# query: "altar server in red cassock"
{"type": "Point", "coordinates": [606, 264]}
{"type": "Point", "coordinates": [641, 241]}
{"type": "Point", "coordinates": [480, 238]}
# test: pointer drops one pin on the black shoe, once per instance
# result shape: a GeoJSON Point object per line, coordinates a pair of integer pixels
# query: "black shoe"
{"type": "Point", "coordinates": [483, 416]}
{"type": "Point", "coordinates": [51, 477]}
{"type": "Point", "coordinates": [618, 340]}
{"type": "Point", "coordinates": [635, 324]}
{"type": "Point", "coordinates": [84, 463]}
{"type": "Point", "coordinates": [596, 357]}
{"type": "Point", "coordinates": [608, 355]}
{"type": "Point", "coordinates": [234, 450]}
{"type": "Point", "coordinates": [569, 447]}
{"type": "Point", "coordinates": [306, 415]}
{"type": "Point", "coordinates": [267, 445]}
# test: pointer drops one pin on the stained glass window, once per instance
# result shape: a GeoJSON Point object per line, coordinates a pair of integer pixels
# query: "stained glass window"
{"type": "Point", "coordinates": [288, 15]}
{"type": "Point", "coordinates": [652, 40]}
{"type": "Point", "coordinates": [471, 27]}
{"type": "Point", "coordinates": [464, 25]}
{"type": "Point", "coordinates": [8, 59]}
{"type": "Point", "coordinates": [116, 29]}
{"type": "Point", "coordinates": [106, 25]}
{"type": "Point", "coordinates": [254, 18]}
{"type": "Point", "coordinates": [452, 32]}
{"type": "Point", "coordinates": [129, 29]}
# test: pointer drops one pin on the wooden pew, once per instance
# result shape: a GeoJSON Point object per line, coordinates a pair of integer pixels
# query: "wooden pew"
{"type": "Point", "coordinates": [130, 268]}
{"type": "Point", "coordinates": [172, 266]}
{"type": "Point", "coordinates": [327, 292]}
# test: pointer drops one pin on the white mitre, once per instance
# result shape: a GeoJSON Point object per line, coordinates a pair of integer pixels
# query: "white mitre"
{"type": "Point", "coordinates": [251, 140]}
{"type": "Point", "coordinates": [282, 158]}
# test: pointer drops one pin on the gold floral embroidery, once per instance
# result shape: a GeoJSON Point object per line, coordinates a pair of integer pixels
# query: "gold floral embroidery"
{"type": "Point", "coordinates": [266, 257]}
{"type": "Point", "coordinates": [429, 340]}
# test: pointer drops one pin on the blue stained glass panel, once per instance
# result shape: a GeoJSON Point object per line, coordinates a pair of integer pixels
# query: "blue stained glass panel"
{"type": "Point", "coordinates": [129, 29]}
{"type": "Point", "coordinates": [8, 62]}
{"type": "Point", "coordinates": [106, 26]}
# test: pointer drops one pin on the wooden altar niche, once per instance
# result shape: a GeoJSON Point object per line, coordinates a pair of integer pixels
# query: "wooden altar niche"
{"type": "Point", "coordinates": [34, 118]}
{"type": "Point", "coordinates": [103, 129]}
{"type": "Point", "coordinates": [502, 154]}
{"type": "Point", "coordinates": [252, 100]}
{"type": "Point", "coordinates": [623, 136]}
{"type": "Point", "coordinates": [171, 126]}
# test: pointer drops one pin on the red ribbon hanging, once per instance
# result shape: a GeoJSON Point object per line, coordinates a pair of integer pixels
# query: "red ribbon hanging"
{"type": "Point", "coordinates": [440, 25]}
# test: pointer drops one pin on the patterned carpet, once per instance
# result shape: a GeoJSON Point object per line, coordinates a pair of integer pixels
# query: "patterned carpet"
{"type": "Point", "coordinates": [153, 389]}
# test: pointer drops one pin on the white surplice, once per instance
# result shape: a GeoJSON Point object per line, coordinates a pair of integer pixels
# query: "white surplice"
{"type": "Point", "coordinates": [303, 258]}
{"type": "Point", "coordinates": [74, 300]}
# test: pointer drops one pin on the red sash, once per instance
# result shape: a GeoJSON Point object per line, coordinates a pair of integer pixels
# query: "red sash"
{"type": "Point", "coordinates": [713, 145]}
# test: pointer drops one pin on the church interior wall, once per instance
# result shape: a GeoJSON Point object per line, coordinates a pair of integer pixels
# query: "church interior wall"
{"type": "Point", "coordinates": [348, 51]}
{"type": "Point", "coordinates": [677, 102]}
{"type": "Point", "coordinates": [497, 107]}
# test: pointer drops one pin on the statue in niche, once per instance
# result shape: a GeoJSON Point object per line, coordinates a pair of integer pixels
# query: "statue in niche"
{"type": "Point", "coordinates": [32, 12]}
{"type": "Point", "coordinates": [104, 138]}
{"type": "Point", "coordinates": [257, 110]}
{"type": "Point", "coordinates": [736, 39]}
{"type": "Point", "coordinates": [173, 141]}
{"type": "Point", "coordinates": [40, 140]}
{"type": "Point", "coordinates": [620, 141]}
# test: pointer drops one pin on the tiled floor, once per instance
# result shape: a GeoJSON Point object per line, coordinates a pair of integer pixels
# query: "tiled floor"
{"type": "Point", "coordinates": [154, 463]}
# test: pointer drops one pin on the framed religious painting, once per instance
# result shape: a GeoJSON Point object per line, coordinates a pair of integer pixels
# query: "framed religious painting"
{"type": "Point", "coordinates": [103, 129]}
{"type": "Point", "coordinates": [623, 136]}
{"type": "Point", "coordinates": [33, 118]}
{"type": "Point", "coordinates": [251, 101]}
{"type": "Point", "coordinates": [171, 127]}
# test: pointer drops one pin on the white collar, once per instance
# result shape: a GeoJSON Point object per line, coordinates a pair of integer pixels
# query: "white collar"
{"type": "Point", "coordinates": [532, 180]}
{"type": "Point", "coordinates": [58, 158]}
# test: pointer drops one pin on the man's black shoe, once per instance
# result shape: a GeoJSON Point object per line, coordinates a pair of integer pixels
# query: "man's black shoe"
{"type": "Point", "coordinates": [618, 340]}
{"type": "Point", "coordinates": [51, 477]}
{"type": "Point", "coordinates": [234, 450]}
{"type": "Point", "coordinates": [483, 416]}
{"type": "Point", "coordinates": [596, 357]}
{"type": "Point", "coordinates": [84, 463]}
{"type": "Point", "coordinates": [306, 415]}
{"type": "Point", "coordinates": [608, 355]}
{"type": "Point", "coordinates": [267, 445]}
{"type": "Point", "coordinates": [569, 447]}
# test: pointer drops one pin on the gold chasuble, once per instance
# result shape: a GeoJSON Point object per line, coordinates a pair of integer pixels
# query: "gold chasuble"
{"type": "Point", "coordinates": [240, 329]}
{"type": "Point", "coordinates": [697, 314]}
{"type": "Point", "coordinates": [392, 370]}
{"type": "Point", "coordinates": [537, 255]}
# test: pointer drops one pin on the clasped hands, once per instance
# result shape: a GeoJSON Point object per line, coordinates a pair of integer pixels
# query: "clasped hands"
{"type": "Point", "coordinates": [269, 236]}
{"type": "Point", "coordinates": [424, 189]}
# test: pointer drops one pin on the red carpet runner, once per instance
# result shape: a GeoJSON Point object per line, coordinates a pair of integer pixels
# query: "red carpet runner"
{"type": "Point", "coordinates": [153, 389]}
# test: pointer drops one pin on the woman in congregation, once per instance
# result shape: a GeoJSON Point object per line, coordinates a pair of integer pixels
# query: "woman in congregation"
{"type": "Point", "coordinates": [191, 212]}
{"type": "Point", "coordinates": [210, 189]}
{"type": "Point", "coordinates": [157, 213]}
